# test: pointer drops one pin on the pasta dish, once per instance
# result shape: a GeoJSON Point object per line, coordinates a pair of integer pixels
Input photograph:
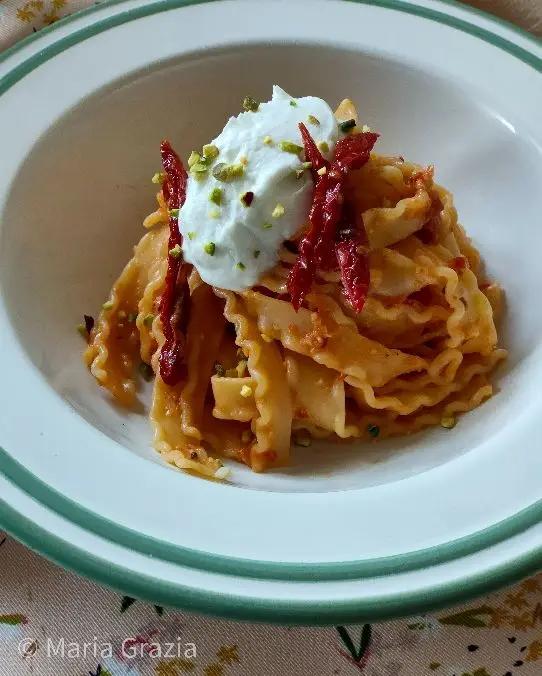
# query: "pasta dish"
{"type": "Point", "coordinates": [292, 285]}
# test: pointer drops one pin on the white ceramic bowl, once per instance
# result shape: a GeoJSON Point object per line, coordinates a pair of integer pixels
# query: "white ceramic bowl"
{"type": "Point", "coordinates": [414, 523]}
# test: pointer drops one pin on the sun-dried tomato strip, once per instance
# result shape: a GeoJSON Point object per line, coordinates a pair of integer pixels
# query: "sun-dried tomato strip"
{"type": "Point", "coordinates": [302, 273]}
{"type": "Point", "coordinates": [303, 270]}
{"type": "Point", "coordinates": [317, 248]}
{"type": "Point", "coordinates": [353, 151]}
{"type": "Point", "coordinates": [329, 212]}
{"type": "Point", "coordinates": [312, 152]}
{"type": "Point", "coordinates": [175, 294]}
{"type": "Point", "coordinates": [353, 257]}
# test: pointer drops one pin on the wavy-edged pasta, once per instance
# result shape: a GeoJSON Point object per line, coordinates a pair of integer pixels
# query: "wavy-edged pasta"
{"type": "Point", "coordinates": [260, 374]}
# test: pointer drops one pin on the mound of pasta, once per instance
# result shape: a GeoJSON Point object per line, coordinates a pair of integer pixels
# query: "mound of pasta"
{"type": "Point", "coordinates": [390, 330]}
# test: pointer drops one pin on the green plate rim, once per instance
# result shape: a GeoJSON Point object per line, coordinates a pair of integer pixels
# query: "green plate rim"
{"type": "Point", "coordinates": [408, 6]}
{"type": "Point", "coordinates": [225, 605]}
{"type": "Point", "coordinates": [230, 606]}
{"type": "Point", "coordinates": [107, 529]}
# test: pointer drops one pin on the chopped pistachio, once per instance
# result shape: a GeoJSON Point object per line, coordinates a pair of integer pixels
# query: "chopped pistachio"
{"type": "Point", "coordinates": [210, 248]}
{"type": "Point", "coordinates": [146, 371]}
{"type": "Point", "coordinates": [278, 211]}
{"type": "Point", "coordinates": [174, 213]}
{"type": "Point", "coordinates": [313, 120]}
{"type": "Point", "coordinates": [176, 251]}
{"type": "Point", "coordinates": [132, 316]}
{"type": "Point", "coordinates": [247, 198]}
{"type": "Point", "coordinates": [214, 213]}
{"type": "Point", "coordinates": [148, 320]}
{"type": "Point", "coordinates": [246, 436]}
{"type": "Point", "coordinates": [240, 266]}
{"type": "Point", "coordinates": [267, 226]}
{"type": "Point", "coordinates": [215, 196]}
{"type": "Point", "coordinates": [448, 422]}
{"type": "Point", "coordinates": [107, 305]}
{"type": "Point", "coordinates": [219, 369]}
{"type": "Point", "coordinates": [158, 177]}
{"type": "Point", "coordinates": [193, 159]}
{"type": "Point", "coordinates": [82, 329]}
{"type": "Point", "coordinates": [304, 165]}
{"type": "Point", "coordinates": [293, 103]}
{"type": "Point", "coordinates": [346, 125]}
{"type": "Point", "coordinates": [250, 104]}
{"type": "Point", "coordinates": [198, 168]}
{"type": "Point", "coordinates": [323, 147]}
{"type": "Point", "coordinates": [256, 253]}
{"type": "Point", "coordinates": [322, 171]}
{"type": "Point", "coordinates": [290, 147]}
{"type": "Point", "coordinates": [228, 172]}
{"type": "Point", "coordinates": [373, 430]}
{"type": "Point", "coordinates": [246, 391]}
{"type": "Point", "coordinates": [267, 140]}
{"type": "Point", "coordinates": [210, 151]}
{"type": "Point", "coordinates": [191, 234]}
{"type": "Point", "coordinates": [302, 438]}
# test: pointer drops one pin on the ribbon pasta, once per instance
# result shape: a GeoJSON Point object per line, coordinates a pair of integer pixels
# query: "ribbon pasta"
{"type": "Point", "coordinates": [421, 352]}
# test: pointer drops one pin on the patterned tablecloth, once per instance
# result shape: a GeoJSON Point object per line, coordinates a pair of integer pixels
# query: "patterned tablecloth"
{"type": "Point", "coordinates": [53, 623]}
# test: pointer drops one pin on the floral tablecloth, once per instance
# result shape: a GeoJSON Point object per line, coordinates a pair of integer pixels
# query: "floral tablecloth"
{"type": "Point", "coordinates": [53, 623]}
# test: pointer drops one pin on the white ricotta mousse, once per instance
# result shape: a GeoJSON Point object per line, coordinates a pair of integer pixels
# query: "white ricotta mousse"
{"type": "Point", "coordinates": [243, 202]}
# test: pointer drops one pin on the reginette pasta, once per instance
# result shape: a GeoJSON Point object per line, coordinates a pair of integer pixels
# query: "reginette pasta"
{"type": "Point", "coordinates": [388, 330]}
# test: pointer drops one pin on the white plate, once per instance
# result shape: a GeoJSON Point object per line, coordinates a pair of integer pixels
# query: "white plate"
{"type": "Point", "coordinates": [419, 522]}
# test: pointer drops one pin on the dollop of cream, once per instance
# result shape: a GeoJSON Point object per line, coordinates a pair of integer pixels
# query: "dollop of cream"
{"type": "Point", "coordinates": [233, 245]}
